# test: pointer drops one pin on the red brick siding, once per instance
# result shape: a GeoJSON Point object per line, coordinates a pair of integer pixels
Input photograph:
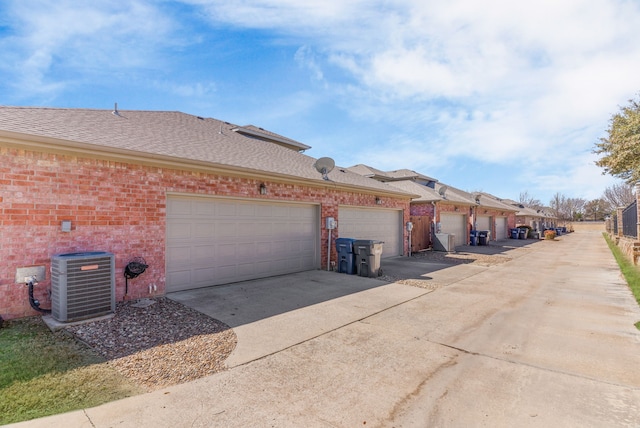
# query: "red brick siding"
{"type": "Point", "coordinates": [422, 209]}
{"type": "Point", "coordinates": [115, 207]}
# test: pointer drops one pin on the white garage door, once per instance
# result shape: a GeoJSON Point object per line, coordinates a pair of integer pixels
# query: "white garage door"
{"type": "Point", "coordinates": [454, 223]}
{"type": "Point", "coordinates": [370, 223]}
{"type": "Point", "coordinates": [483, 222]}
{"type": "Point", "coordinates": [216, 241]}
{"type": "Point", "coordinates": [501, 228]}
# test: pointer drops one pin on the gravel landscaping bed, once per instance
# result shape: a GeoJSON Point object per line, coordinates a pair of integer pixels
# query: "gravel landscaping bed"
{"type": "Point", "coordinates": [159, 342]}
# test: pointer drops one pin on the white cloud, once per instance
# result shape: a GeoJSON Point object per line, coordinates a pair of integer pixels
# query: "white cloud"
{"type": "Point", "coordinates": [306, 58]}
{"type": "Point", "coordinates": [580, 179]}
{"type": "Point", "coordinates": [190, 90]}
{"type": "Point", "coordinates": [96, 37]}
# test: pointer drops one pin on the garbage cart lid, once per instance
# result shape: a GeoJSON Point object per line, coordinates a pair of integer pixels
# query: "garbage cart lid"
{"type": "Point", "coordinates": [367, 242]}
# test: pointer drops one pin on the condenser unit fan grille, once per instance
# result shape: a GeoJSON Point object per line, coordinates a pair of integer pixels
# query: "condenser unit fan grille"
{"type": "Point", "coordinates": [82, 285]}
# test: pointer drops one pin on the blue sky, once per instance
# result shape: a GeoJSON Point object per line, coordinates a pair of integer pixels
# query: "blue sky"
{"type": "Point", "coordinates": [497, 96]}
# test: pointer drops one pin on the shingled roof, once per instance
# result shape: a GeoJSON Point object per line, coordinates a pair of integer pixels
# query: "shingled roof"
{"type": "Point", "coordinates": [170, 137]}
{"type": "Point", "coordinates": [427, 194]}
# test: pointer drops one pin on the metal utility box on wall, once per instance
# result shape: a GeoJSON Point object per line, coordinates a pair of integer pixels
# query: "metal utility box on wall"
{"type": "Point", "coordinates": [82, 285]}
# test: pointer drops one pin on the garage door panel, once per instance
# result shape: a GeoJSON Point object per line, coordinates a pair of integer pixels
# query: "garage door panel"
{"type": "Point", "coordinates": [501, 228]}
{"type": "Point", "coordinates": [179, 208]}
{"type": "Point", "coordinates": [245, 229]}
{"type": "Point", "coordinates": [483, 223]}
{"type": "Point", "coordinates": [245, 210]}
{"type": "Point", "coordinates": [263, 249]}
{"type": "Point", "coordinates": [376, 224]}
{"type": "Point", "coordinates": [178, 230]}
{"type": "Point", "coordinates": [226, 230]}
{"type": "Point", "coordinates": [201, 275]}
{"type": "Point", "coordinates": [201, 209]}
{"type": "Point", "coordinates": [306, 247]}
{"type": "Point", "coordinates": [179, 277]}
{"type": "Point", "coordinates": [202, 252]}
{"type": "Point", "coordinates": [225, 274]}
{"type": "Point", "coordinates": [224, 209]}
{"type": "Point", "coordinates": [245, 270]}
{"type": "Point", "coordinates": [226, 240]}
{"type": "Point", "coordinates": [454, 224]}
{"type": "Point", "coordinates": [202, 230]}
{"type": "Point", "coordinates": [178, 256]}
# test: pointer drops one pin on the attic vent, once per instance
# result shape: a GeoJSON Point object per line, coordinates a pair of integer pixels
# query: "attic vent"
{"type": "Point", "coordinates": [82, 285]}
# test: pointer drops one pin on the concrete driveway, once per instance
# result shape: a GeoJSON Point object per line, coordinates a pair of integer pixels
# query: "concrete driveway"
{"type": "Point", "coordinates": [269, 315]}
{"type": "Point", "coordinates": [544, 339]}
{"type": "Point", "coordinates": [272, 314]}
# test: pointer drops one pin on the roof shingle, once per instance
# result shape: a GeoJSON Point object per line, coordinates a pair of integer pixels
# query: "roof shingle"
{"type": "Point", "coordinates": [173, 135]}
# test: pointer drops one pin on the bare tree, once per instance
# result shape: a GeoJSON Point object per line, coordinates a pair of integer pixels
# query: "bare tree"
{"type": "Point", "coordinates": [567, 209]}
{"type": "Point", "coordinates": [619, 195]}
{"type": "Point", "coordinates": [573, 208]}
{"type": "Point", "coordinates": [529, 201]}
{"type": "Point", "coordinates": [556, 204]}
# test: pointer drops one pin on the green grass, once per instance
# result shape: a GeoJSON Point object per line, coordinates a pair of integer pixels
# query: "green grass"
{"type": "Point", "coordinates": [44, 373]}
{"type": "Point", "coordinates": [630, 272]}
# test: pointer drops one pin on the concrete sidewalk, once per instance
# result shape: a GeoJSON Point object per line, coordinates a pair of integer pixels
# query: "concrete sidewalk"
{"type": "Point", "coordinates": [546, 339]}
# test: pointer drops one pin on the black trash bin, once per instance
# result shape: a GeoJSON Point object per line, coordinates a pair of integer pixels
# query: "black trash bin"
{"type": "Point", "coordinates": [483, 237]}
{"type": "Point", "coordinates": [346, 256]}
{"type": "Point", "coordinates": [522, 233]}
{"type": "Point", "coordinates": [367, 257]}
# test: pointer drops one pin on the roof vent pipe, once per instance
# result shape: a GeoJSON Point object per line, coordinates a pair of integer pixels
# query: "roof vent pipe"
{"type": "Point", "coordinates": [115, 111]}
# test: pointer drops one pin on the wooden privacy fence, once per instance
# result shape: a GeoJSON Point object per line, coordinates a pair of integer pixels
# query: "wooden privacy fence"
{"type": "Point", "coordinates": [421, 233]}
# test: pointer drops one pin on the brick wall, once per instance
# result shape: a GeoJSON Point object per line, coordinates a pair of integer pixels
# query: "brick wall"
{"type": "Point", "coordinates": [422, 209]}
{"type": "Point", "coordinates": [115, 207]}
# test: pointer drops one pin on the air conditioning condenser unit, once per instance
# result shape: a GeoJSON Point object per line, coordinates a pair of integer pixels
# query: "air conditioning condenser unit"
{"type": "Point", "coordinates": [444, 242]}
{"type": "Point", "coordinates": [82, 285]}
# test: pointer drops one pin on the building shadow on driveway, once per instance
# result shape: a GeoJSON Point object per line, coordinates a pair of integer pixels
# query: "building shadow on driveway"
{"type": "Point", "coordinates": [250, 301]}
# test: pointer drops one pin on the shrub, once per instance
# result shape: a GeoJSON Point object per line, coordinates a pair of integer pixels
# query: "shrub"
{"type": "Point", "coordinates": [550, 234]}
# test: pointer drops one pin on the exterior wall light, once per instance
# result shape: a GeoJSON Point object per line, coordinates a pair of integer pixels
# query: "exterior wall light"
{"type": "Point", "coordinates": [263, 189]}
